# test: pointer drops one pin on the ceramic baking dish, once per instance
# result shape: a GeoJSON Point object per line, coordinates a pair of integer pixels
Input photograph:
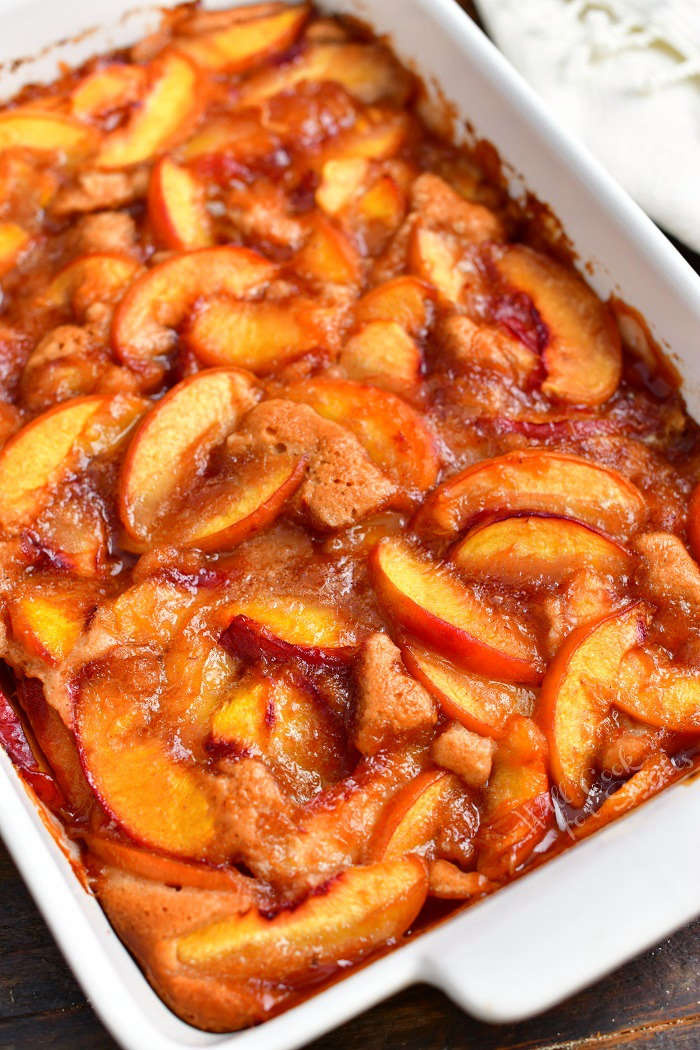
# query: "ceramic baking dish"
{"type": "Point", "coordinates": [567, 923]}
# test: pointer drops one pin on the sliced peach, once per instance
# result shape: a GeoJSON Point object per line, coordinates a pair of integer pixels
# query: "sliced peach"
{"type": "Point", "coordinates": [378, 213]}
{"type": "Point", "coordinates": [260, 336]}
{"type": "Point", "coordinates": [174, 98]}
{"type": "Point", "coordinates": [45, 132]}
{"type": "Point", "coordinates": [508, 841]}
{"type": "Point", "coordinates": [482, 705]}
{"type": "Point", "coordinates": [657, 691]}
{"type": "Point", "coordinates": [154, 866]}
{"type": "Point", "coordinates": [369, 72]}
{"type": "Point", "coordinates": [47, 625]}
{"type": "Point", "coordinates": [518, 809]}
{"type": "Point", "coordinates": [536, 547]}
{"type": "Point", "coordinates": [582, 354]}
{"type": "Point", "coordinates": [657, 772]}
{"type": "Point", "coordinates": [225, 514]}
{"type": "Point", "coordinates": [14, 740]}
{"type": "Point", "coordinates": [414, 816]}
{"type": "Point", "coordinates": [405, 300]}
{"type": "Point", "coordinates": [13, 241]}
{"type": "Point", "coordinates": [160, 802]}
{"type": "Point", "coordinates": [426, 599]}
{"type": "Point", "coordinates": [35, 459]}
{"type": "Point", "coordinates": [98, 277]}
{"type": "Point", "coordinates": [394, 434]}
{"type": "Point", "coordinates": [357, 912]}
{"type": "Point", "coordinates": [224, 148]}
{"type": "Point", "coordinates": [341, 181]}
{"type": "Point", "coordinates": [693, 525]}
{"type": "Point", "coordinates": [108, 89]}
{"type": "Point", "coordinates": [288, 628]}
{"type": "Point", "coordinates": [160, 300]}
{"type": "Point", "coordinates": [174, 439]}
{"type": "Point", "coordinates": [328, 255]}
{"type": "Point", "coordinates": [177, 208]}
{"type": "Point", "coordinates": [72, 534]}
{"type": "Point", "coordinates": [57, 745]}
{"type": "Point", "coordinates": [577, 692]}
{"type": "Point", "coordinates": [536, 480]}
{"type": "Point", "coordinates": [278, 718]}
{"type": "Point", "coordinates": [245, 43]}
{"type": "Point", "coordinates": [383, 352]}
{"type": "Point", "coordinates": [380, 138]}
{"type": "Point", "coordinates": [433, 256]}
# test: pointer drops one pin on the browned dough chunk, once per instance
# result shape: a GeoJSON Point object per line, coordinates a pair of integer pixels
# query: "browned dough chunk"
{"type": "Point", "coordinates": [441, 207]}
{"type": "Point", "coordinates": [105, 231]}
{"type": "Point", "coordinates": [342, 484]}
{"type": "Point", "coordinates": [390, 703]}
{"type": "Point", "coordinates": [465, 753]}
{"type": "Point", "coordinates": [95, 190]}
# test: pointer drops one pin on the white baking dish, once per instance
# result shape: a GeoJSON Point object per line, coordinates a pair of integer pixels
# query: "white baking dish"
{"type": "Point", "coordinates": [583, 913]}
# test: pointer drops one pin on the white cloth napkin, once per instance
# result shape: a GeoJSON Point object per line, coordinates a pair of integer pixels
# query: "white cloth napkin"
{"type": "Point", "coordinates": [625, 76]}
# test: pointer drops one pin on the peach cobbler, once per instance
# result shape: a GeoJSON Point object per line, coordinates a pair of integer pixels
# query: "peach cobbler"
{"type": "Point", "coordinates": [347, 538]}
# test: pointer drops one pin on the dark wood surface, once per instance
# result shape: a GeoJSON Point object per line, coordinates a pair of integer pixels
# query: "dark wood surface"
{"type": "Point", "coordinates": [653, 1003]}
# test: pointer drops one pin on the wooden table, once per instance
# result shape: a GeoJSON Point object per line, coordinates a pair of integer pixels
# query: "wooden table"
{"type": "Point", "coordinates": [653, 1003]}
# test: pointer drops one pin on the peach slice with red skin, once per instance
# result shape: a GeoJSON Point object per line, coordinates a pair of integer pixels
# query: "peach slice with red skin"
{"type": "Point", "coordinates": [35, 459]}
{"type": "Point", "coordinates": [227, 513]}
{"type": "Point", "coordinates": [46, 625]}
{"type": "Point", "coordinates": [394, 435]}
{"type": "Point", "coordinates": [13, 241]}
{"type": "Point", "coordinates": [288, 628]}
{"type": "Point", "coordinates": [482, 705]}
{"type": "Point", "coordinates": [693, 524]}
{"type": "Point", "coordinates": [427, 600]}
{"type": "Point", "coordinates": [170, 105]}
{"type": "Point", "coordinates": [356, 912]}
{"type": "Point", "coordinates": [160, 868]}
{"type": "Point", "coordinates": [260, 336]}
{"type": "Point", "coordinates": [535, 480]}
{"type": "Point", "coordinates": [107, 89]}
{"type": "Point", "coordinates": [45, 132]}
{"type": "Point", "coordinates": [525, 549]}
{"type": "Point", "coordinates": [57, 745]}
{"type": "Point", "coordinates": [653, 689]}
{"type": "Point", "coordinates": [657, 772]}
{"type": "Point", "coordinates": [577, 691]}
{"type": "Point", "coordinates": [14, 740]}
{"type": "Point", "coordinates": [176, 435]}
{"type": "Point", "coordinates": [176, 207]}
{"type": "Point", "coordinates": [97, 277]}
{"type": "Point", "coordinates": [160, 801]}
{"type": "Point", "coordinates": [161, 299]}
{"type": "Point", "coordinates": [280, 718]}
{"type": "Point", "coordinates": [414, 816]}
{"type": "Point", "coordinates": [368, 72]}
{"type": "Point", "coordinates": [518, 809]}
{"type": "Point", "coordinates": [582, 354]}
{"type": "Point", "coordinates": [245, 42]}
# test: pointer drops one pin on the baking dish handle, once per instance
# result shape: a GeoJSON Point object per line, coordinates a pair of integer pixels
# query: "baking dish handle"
{"type": "Point", "coordinates": [575, 918]}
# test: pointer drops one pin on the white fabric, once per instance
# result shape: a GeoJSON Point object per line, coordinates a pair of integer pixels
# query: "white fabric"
{"type": "Point", "coordinates": [625, 76]}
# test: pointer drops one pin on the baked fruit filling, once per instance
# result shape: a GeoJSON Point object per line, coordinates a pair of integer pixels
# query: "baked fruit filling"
{"type": "Point", "coordinates": [347, 538]}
